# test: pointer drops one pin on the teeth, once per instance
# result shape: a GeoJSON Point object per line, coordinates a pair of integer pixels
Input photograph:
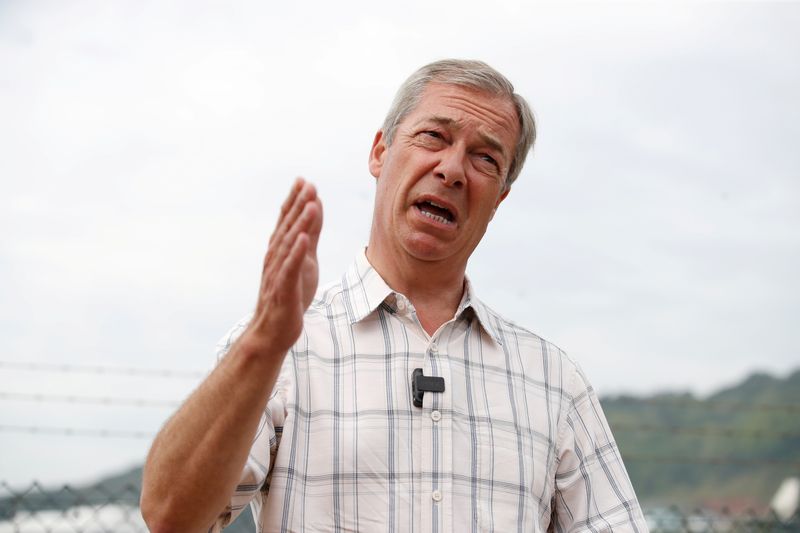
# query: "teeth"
{"type": "Point", "coordinates": [437, 218]}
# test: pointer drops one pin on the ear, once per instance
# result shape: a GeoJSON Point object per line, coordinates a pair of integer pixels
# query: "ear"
{"type": "Point", "coordinates": [499, 201]}
{"type": "Point", "coordinates": [377, 154]}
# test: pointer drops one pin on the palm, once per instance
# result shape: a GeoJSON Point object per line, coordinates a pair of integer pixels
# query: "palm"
{"type": "Point", "coordinates": [309, 279]}
{"type": "Point", "coordinates": [291, 272]}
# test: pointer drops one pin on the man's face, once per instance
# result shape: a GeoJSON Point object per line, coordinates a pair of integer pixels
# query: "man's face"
{"type": "Point", "coordinates": [442, 177]}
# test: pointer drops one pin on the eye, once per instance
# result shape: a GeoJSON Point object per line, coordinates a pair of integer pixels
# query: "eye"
{"type": "Point", "coordinates": [430, 139]}
{"type": "Point", "coordinates": [489, 159]}
{"type": "Point", "coordinates": [488, 163]}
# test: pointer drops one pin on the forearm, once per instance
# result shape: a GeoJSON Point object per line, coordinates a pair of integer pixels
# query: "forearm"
{"type": "Point", "coordinates": [197, 458]}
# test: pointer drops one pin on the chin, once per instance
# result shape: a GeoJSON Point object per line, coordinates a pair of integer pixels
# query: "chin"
{"type": "Point", "coordinates": [427, 248]}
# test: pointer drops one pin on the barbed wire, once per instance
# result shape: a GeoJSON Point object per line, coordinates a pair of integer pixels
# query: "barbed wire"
{"type": "Point", "coordinates": [93, 400]}
{"type": "Point", "coordinates": [711, 461]}
{"type": "Point", "coordinates": [78, 432]}
{"type": "Point", "coordinates": [131, 434]}
{"type": "Point", "coordinates": [704, 404]}
{"type": "Point", "coordinates": [99, 369]}
{"type": "Point", "coordinates": [193, 374]}
{"type": "Point", "coordinates": [617, 426]}
{"type": "Point", "coordinates": [702, 431]}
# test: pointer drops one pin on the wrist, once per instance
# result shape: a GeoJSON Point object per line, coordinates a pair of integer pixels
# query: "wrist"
{"type": "Point", "coordinates": [254, 349]}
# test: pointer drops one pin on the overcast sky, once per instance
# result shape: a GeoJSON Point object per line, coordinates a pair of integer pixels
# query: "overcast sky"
{"type": "Point", "coordinates": [145, 148]}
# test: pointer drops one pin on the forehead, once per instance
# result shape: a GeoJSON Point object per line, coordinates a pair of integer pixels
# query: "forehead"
{"type": "Point", "coordinates": [470, 108]}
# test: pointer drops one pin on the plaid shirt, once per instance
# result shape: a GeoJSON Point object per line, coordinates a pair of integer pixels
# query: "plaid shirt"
{"type": "Point", "coordinates": [516, 442]}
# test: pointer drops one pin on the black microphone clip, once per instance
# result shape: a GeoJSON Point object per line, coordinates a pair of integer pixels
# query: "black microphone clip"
{"type": "Point", "coordinates": [421, 384]}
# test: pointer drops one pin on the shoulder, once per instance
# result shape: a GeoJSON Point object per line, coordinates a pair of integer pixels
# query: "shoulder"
{"type": "Point", "coordinates": [327, 295]}
{"type": "Point", "coordinates": [506, 330]}
{"type": "Point", "coordinates": [329, 301]}
{"type": "Point", "coordinates": [556, 365]}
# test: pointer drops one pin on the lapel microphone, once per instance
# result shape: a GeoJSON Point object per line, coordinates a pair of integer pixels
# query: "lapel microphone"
{"type": "Point", "coordinates": [421, 384]}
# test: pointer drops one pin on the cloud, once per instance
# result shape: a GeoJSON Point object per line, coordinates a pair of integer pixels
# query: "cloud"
{"type": "Point", "coordinates": [146, 149]}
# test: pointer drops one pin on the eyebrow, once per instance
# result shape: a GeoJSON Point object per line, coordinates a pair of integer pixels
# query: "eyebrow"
{"type": "Point", "coordinates": [489, 140]}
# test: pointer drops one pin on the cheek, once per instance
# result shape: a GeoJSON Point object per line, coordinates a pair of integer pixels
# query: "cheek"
{"type": "Point", "coordinates": [389, 196]}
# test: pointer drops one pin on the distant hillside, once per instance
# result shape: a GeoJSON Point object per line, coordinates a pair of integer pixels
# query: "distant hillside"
{"type": "Point", "coordinates": [733, 448]}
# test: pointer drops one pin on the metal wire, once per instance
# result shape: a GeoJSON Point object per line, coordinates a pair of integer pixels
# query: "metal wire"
{"type": "Point", "coordinates": [98, 369]}
{"type": "Point", "coordinates": [711, 461]}
{"type": "Point", "coordinates": [78, 432]}
{"type": "Point", "coordinates": [91, 400]}
{"type": "Point", "coordinates": [702, 431]}
{"type": "Point", "coordinates": [694, 403]}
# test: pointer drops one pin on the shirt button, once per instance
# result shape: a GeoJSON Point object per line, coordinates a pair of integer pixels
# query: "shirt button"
{"type": "Point", "coordinates": [434, 348]}
{"type": "Point", "coordinates": [401, 305]}
{"type": "Point", "coordinates": [436, 495]}
{"type": "Point", "coordinates": [436, 416]}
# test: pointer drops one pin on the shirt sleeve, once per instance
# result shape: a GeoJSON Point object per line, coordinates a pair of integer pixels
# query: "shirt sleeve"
{"type": "Point", "coordinates": [592, 488]}
{"type": "Point", "coordinates": [253, 481]}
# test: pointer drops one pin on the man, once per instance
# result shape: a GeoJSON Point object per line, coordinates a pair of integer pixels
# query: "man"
{"type": "Point", "coordinates": [317, 413]}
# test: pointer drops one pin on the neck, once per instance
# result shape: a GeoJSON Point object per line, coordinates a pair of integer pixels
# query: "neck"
{"type": "Point", "coordinates": [434, 288]}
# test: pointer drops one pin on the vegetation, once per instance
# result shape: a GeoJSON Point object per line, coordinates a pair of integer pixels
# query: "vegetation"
{"type": "Point", "coordinates": [730, 449]}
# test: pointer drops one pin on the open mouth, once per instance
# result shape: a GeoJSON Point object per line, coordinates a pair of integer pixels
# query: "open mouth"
{"type": "Point", "coordinates": [436, 212]}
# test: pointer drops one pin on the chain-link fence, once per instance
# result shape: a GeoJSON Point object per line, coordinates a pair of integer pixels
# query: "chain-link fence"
{"type": "Point", "coordinates": [675, 519]}
{"type": "Point", "coordinates": [99, 508]}
{"type": "Point", "coordinates": [114, 509]}
{"type": "Point", "coordinates": [93, 509]}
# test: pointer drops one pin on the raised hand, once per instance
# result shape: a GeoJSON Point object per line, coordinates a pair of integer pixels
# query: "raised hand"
{"type": "Point", "coordinates": [290, 273]}
{"type": "Point", "coordinates": [197, 457]}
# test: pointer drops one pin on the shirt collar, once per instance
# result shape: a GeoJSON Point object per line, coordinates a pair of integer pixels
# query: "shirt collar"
{"type": "Point", "coordinates": [487, 319]}
{"type": "Point", "coordinates": [366, 290]}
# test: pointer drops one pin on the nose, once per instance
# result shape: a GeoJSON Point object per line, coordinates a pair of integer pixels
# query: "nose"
{"type": "Point", "coordinates": [450, 167]}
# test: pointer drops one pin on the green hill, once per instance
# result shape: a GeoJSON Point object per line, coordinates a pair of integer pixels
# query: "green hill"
{"type": "Point", "coordinates": [732, 448]}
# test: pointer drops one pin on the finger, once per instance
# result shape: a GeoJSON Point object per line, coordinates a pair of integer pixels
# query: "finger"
{"type": "Point", "coordinates": [280, 249]}
{"type": "Point", "coordinates": [293, 192]}
{"type": "Point", "coordinates": [274, 283]}
{"type": "Point", "coordinates": [287, 205]}
{"type": "Point", "coordinates": [315, 225]}
{"type": "Point", "coordinates": [290, 224]}
{"type": "Point", "coordinates": [289, 274]}
{"type": "Point", "coordinates": [295, 220]}
{"type": "Point", "coordinates": [307, 192]}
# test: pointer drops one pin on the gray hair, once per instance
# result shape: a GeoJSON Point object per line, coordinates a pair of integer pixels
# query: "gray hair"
{"type": "Point", "coordinates": [466, 73]}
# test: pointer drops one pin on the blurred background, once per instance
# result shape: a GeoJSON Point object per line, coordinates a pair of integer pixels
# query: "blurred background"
{"type": "Point", "coordinates": [653, 235]}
